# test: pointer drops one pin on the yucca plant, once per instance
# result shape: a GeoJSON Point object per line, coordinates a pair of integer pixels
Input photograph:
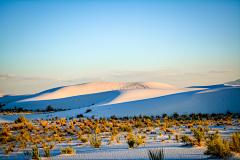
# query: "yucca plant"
{"type": "Point", "coordinates": [155, 154]}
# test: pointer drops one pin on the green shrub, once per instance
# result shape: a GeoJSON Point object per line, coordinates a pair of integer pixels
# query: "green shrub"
{"type": "Point", "coordinates": [155, 154]}
{"type": "Point", "coordinates": [68, 150]}
{"type": "Point", "coordinates": [219, 148]}
{"type": "Point", "coordinates": [21, 119]}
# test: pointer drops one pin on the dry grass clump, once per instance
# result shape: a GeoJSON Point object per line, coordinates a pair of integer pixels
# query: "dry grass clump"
{"type": "Point", "coordinates": [68, 150]}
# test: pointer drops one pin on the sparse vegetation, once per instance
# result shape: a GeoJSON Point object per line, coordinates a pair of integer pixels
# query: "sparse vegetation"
{"type": "Point", "coordinates": [68, 150]}
{"type": "Point", "coordinates": [155, 154]}
{"type": "Point", "coordinates": [24, 134]}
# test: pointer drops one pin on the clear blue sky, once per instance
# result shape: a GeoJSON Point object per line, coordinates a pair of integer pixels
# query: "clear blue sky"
{"type": "Point", "coordinates": [45, 44]}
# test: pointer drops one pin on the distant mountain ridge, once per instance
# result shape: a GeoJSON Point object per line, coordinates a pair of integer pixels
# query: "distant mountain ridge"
{"type": "Point", "coordinates": [236, 82]}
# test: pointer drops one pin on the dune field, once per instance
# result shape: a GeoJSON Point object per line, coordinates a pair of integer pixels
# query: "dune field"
{"type": "Point", "coordinates": [86, 104]}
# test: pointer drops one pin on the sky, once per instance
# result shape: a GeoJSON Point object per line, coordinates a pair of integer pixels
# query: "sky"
{"type": "Point", "coordinates": [47, 44]}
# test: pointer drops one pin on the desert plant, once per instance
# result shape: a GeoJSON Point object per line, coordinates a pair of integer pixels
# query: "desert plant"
{"type": "Point", "coordinates": [169, 136]}
{"type": "Point", "coordinates": [177, 137]}
{"type": "Point", "coordinates": [21, 119]}
{"type": "Point", "coordinates": [84, 139]}
{"type": "Point", "coordinates": [199, 135]}
{"type": "Point", "coordinates": [139, 140]}
{"type": "Point", "coordinates": [27, 153]}
{"type": "Point", "coordinates": [49, 108]}
{"type": "Point", "coordinates": [235, 142]}
{"type": "Point", "coordinates": [131, 141]}
{"type": "Point", "coordinates": [95, 141]}
{"type": "Point", "coordinates": [46, 152]}
{"type": "Point", "coordinates": [186, 139]}
{"type": "Point", "coordinates": [88, 110]}
{"type": "Point", "coordinates": [155, 154]}
{"type": "Point", "coordinates": [35, 152]}
{"type": "Point", "coordinates": [79, 115]}
{"type": "Point", "coordinates": [68, 150]}
{"type": "Point", "coordinates": [212, 137]}
{"type": "Point", "coordinates": [118, 139]}
{"type": "Point", "coordinates": [220, 148]}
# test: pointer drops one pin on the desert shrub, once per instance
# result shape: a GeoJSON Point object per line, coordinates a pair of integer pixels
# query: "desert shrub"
{"type": "Point", "coordinates": [51, 146]}
{"type": "Point", "coordinates": [186, 139]}
{"type": "Point", "coordinates": [139, 140]}
{"type": "Point", "coordinates": [27, 153]}
{"type": "Point", "coordinates": [126, 128]}
{"type": "Point", "coordinates": [206, 129]}
{"type": "Point", "coordinates": [49, 108]}
{"type": "Point", "coordinates": [88, 110]}
{"type": "Point", "coordinates": [169, 136]}
{"type": "Point", "coordinates": [35, 153]}
{"type": "Point", "coordinates": [199, 135]}
{"type": "Point", "coordinates": [220, 148]}
{"type": "Point", "coordinates": [177, 137]}
{"type": "Point", "coordinates": [235, 142]}
{"type": "Point", "coordinates": [131, 141]}
{"type": "Point", "coordinates": [79, 115]}
{"type": "Point", "coordinates": [21, 119]}
{"type": "Point", "coordinates": [46, 152]}
{"type": "Point", "coordinates": [68, 150]}
{"type": "Point", "coordinates": [95, 140]}
{"type": "Point", "coordinates": [212, 137]}
{"type": "Point", "coordinates": [84, 139]}
{"type": "Point", "coordinates": [118, 139]}
{"type": "Point", "coordinates": [155, 154]}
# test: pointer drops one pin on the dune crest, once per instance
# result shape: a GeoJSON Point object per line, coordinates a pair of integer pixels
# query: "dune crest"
{"type": "Point", "coordinates": [97, 87]}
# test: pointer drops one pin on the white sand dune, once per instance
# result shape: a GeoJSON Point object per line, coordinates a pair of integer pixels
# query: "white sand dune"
{"type": "Point", "coordinates": [129, 99]}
